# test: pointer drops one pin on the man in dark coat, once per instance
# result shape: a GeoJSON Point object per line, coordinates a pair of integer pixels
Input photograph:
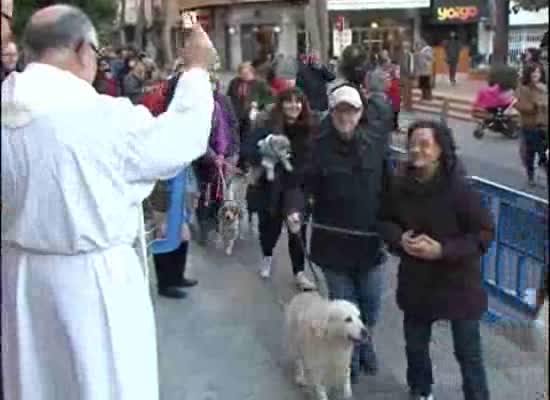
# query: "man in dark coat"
{"type": "Point", "coordinates": [344, 182]}
{"type": "Point", "coordinates": [313, 78]}
{"type": "Point", "coordinates": [452, 52]}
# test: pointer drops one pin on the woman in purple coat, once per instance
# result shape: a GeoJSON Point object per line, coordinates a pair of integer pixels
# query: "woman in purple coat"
{"type": "Point", "coordinates": [220, 158]}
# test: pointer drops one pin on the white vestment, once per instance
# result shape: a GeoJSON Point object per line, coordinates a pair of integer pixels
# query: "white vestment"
{"type": "Point", "coordinates": [77, 318]}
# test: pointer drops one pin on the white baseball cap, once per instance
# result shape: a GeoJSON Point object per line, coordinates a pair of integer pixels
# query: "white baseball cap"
{"type": "Point", "coordinates": [346, 94]}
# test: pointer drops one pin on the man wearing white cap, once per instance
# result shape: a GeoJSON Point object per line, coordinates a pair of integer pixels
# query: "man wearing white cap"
{"type": "Point", "coordinates": [345, 181]}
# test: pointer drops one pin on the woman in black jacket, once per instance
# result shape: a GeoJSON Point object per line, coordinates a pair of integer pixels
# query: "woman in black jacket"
{"type": "Point", "coordinates": [278, 198]}
{"type": "Point", "coordinates": [435, 221]}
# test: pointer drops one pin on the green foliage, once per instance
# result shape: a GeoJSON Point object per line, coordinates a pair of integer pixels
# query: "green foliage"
{"type": "Point", "coordinates": [100, 11]}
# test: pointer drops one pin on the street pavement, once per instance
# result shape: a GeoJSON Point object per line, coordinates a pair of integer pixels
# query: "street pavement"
{"type": "Point", "coordinates": [224, 341]}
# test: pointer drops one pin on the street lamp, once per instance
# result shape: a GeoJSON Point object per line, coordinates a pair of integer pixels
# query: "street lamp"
{"type": "Point", "coordinates": [374, 25]}
{"type": "Point", "coordinates": [277, 29]}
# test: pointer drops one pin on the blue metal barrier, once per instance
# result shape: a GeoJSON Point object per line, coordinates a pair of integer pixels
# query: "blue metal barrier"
{"type": "Point", "coordinates": [176, 193]}
{"type": "Point", "coordinates": [518, 257]}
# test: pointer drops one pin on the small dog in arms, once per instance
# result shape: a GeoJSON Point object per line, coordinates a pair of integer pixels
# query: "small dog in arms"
{"type": "Point", "coordinates": [275, 149]}
{"type": "Point", "coordinates": [319, 337]}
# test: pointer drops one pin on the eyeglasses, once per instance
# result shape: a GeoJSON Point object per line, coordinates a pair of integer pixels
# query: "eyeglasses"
{"type": "Point", "coordinates": [89, 43]}
{"type": "Point", "coordinates": [8, 17]}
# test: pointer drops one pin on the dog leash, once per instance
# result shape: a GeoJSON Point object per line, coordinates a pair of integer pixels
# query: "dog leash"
{"type": "Point", "coordinates": [329, 228]}
{"type": "Point", "coordinates": [307, 257]}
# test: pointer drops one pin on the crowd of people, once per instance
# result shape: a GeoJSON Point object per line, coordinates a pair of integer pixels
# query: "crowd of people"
{"type": "Point", "coordinates": [77, 309]}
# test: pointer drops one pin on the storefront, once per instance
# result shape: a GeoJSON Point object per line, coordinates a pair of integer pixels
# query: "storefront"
{"type": "Point", "coordinates": [249, 30]}
{"type": "Point", "coordinates": [255, 32]}
{"type": "Point", "coordinates": [376, 24]}
{"type": "Point", "coordinates": [460, 16]}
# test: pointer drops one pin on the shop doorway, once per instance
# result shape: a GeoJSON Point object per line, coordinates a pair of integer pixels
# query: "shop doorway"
{"type": "Point", "coordinates": [258, 42]}
{"type": "Point", "coordinates": [388, 36]}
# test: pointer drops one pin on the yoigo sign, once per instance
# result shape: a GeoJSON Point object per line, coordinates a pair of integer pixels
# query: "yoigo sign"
{"type": "Point", "coordinates": [456, 12]}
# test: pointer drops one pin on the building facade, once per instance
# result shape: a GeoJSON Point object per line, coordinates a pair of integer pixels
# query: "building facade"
{"type": "Point", "coordinates": [250, 31]}
{"type": "Point", "coordinates": [375, 24]}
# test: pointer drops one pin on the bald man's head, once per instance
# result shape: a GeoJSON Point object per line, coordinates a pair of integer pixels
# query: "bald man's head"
{"type": "Point", "coordinates": [7, 15]}
{"type": "Point", "coordinates": [62, 36]}
{"type": "Point", "coordinates": [58, 27]}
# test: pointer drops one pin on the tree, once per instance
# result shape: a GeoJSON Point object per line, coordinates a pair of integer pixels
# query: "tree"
{"type": "Point", "coordinates": [101, 12]}
{"type": "Point", "coordinates": [502, 24]}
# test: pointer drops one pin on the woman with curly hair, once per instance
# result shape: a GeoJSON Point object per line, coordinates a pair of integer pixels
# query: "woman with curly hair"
{"type": "Point", "coordinates": [433, 219]}
{"type": "Point", "coordinates": [280, 197]}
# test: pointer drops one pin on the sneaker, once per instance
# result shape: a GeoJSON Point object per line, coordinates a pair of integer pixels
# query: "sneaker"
{"type": "Point", "coordinates": [303, 282]}
{"type": "Point", "coordinates": [413, 396]}
{"type": "Point", "coordinates": [531, 182]}
{"type": "Point", "coordinates": [265, 269]}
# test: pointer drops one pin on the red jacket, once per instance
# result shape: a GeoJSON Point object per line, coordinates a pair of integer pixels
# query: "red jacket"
{"type": "Point", "coordinates": [394, 94]}
{"type": "Point", "coordinates": [155, 99]}
{"type": "Point", "coordinates": [279, 85]}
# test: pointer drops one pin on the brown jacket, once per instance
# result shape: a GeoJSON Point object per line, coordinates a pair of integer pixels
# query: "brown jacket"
{"type": "Point", "coordinates": [533, 106]}
{"type": "Point", "coordinates": [449, 210]}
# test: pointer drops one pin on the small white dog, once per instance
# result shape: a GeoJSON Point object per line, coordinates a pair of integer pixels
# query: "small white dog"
{"type": "Point", "coordinates": [320, 336]}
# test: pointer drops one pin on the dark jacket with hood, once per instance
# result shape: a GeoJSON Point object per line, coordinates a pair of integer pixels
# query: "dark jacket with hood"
{"type": "Point", "coordinates": [345, 182]}
{"type": "Point", "coordinates": [313, 81]}
{"type": "Point", "coordinates": [286, 192]}
{"type": "Point", "coordinates": [450, 211]}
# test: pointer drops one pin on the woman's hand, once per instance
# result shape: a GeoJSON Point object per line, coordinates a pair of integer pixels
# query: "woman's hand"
{"type": "Point", "coordinates": [159, 219]}
{"type": "Point", "coordinates": [219, 161]}
{"type": "Point", "coordinates": [421, 246]}
{"type": "Point", "coordinates": [185, 233]}
{"type": "Point", "coordinates": [294, 222]}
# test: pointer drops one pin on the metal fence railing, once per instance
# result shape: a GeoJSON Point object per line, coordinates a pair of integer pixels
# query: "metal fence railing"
{"type": "Point", "coordinates": [516, 263]}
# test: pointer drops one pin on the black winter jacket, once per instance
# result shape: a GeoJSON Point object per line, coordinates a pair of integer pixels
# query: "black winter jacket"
{"type": "Point", "coordinates": [286, 192]}
{"type": "Point", "coordinates": [345, 181]}
{"type": "Point", "coordinates": [313, 81]}
{"type": "Point", "coordinates": [450, 211]}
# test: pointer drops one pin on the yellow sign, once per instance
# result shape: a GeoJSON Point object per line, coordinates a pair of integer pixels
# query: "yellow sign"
{"type": "Point", "coordinates": [464, 14]}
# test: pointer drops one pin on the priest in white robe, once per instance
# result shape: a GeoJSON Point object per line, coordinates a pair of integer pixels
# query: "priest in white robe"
{"type": "Point", "coordinates": [77, 318]}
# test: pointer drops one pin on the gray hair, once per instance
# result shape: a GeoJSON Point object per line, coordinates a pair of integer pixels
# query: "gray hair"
{"type": "Point", "coordinates": [376, 81]}
{"type": "Point", "coordinates": [69, 30]}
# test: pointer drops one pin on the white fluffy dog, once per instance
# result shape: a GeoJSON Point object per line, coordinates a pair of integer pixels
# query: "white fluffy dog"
{"type": "Point", "coordinates": [320, 335]}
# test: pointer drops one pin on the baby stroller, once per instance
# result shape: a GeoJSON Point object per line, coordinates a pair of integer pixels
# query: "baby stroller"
{"type": "Point", "coordinates": [493, 108]}
{"type": "Point", "coordinates": [496, 119]}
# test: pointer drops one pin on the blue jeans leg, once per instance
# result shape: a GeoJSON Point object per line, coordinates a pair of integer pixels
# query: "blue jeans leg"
{"type": "Point", "coordinates": [534, 144]}
{"type": "Point", "coordinates": [364, 289]}
{"type": "Point", "coordinates": [371, 283]}
{"type": "Point", "coordinates": [418, 335]}
{"type": "Point", "coordinates": [468, 352]}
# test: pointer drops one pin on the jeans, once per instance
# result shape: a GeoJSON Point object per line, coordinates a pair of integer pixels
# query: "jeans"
{"type": "Point", "coordinates": [533, 140]}
{"type": "Point", "coordinates": [467, 349]}
{"type": "Point", "coordinates": [364, 289]}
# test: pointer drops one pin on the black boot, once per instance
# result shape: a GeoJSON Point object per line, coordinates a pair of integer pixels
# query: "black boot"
{"type": "Point", "coordinates": [173, 292]}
